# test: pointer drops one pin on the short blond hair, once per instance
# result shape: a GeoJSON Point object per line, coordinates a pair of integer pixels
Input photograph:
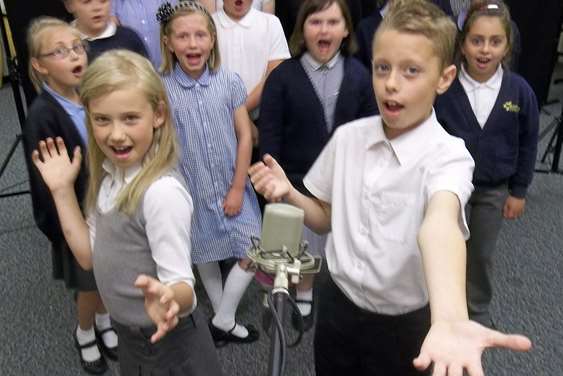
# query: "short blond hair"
{"type": "Point", "coordinates": [420, 17]}
{"type": "Point", "coordinates": [36, 33]}
{"type": "Point", "coordinates": [118, 70]}
{"type": "Point", "coordinates": [169, 58]}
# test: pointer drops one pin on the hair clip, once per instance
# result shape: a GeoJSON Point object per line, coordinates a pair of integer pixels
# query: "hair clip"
{"type": "Point", "coordinates": [166, 10]}
{"type": "Point", "coordinates": [493, 7]}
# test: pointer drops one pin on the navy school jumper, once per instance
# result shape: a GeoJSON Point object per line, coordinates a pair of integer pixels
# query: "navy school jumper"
{"type": "Point", "coordinates": [505, 149]}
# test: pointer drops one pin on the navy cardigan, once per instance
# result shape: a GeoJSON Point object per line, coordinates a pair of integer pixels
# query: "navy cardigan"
{"type": "Point", "coordinates": [124, 37]}
{"type": "Point", "coordinates": [505, 149]}
{"type": "Point", "coordinates": [292, 122]}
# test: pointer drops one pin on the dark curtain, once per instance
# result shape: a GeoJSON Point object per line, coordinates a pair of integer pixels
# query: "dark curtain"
{"type": "Point", "coordinates": [540, 25]}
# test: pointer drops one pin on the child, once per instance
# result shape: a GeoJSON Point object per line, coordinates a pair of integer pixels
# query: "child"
{"type": "Point", "coordinates": [139, 16]}
{"type": "Point", "coordinates": [496, 113]}
{"type": "Point", "coordinates": [392, 190]}
{"type": "Point", "coordinates": [307, 97]}
{"type": "Point", "coordinates": [214, 130]}
{"type": "Point", "coordinates": [251, 44]}
{"type": "Point", "coordinates": [92, 18]}
{"type": "Point", "coordinates": [57, 63]}
{"type": "Point", "coordinates": [137, 236]}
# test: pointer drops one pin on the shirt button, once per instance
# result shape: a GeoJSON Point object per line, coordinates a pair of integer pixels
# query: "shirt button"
{"type": "Point", "coordinates": [363, 230]}
{"type": "Point", "coordinates": [143, 22]}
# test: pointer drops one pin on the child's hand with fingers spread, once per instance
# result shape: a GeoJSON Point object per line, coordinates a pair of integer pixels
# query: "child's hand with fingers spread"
{"type": "Point", "coordinates": [54, 164]}
{"type": "Point", "coordinates": [455, 347]}
{"type": "Point", "coordinates": [160, 305]}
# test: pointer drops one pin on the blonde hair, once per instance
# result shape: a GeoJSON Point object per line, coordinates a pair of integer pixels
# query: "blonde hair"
{"type": "Point", "coordinates": [421, 17]}
{"type": "Point", "coordinates": [184, 9]}
{"type": "Point", "coordinates": [35, 41]}
{"type": "Point", "coordinates": [119, 70]}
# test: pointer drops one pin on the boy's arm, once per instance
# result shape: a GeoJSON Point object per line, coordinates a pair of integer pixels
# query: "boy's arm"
{"type": "Point", "coordinates": [269, 6]}
{"type": "Point", "coordinates": [270, 181]}
{"type": "Point", "coordinates": [59, 174]}
{"type": "Point", "coordinates": [453, 343]}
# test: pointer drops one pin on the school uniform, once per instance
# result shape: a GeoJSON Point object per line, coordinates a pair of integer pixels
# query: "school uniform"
{"type": "Point", "coordinates": [48, 118]}
{"type": "Point", "coordinates": [501, 134]}
{"type": "Point", "coordinates": [203, 111]}
{"type": "Point", "coordinates": [249, 44]}
{"type": "Point", "coordinates": [154, 241]}
{"type": "Point", "coordinates": [114, 37]}
{"type": "Point", "coordinates": [378, 190]}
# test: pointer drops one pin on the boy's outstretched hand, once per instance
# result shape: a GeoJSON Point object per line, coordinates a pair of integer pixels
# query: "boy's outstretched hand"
{"type": "Point", "coordinates": [269, 179]}
{"type": "Point", "coordinates": [455, 347]}
{"type": "Point", "coordinates": [159, 304]}
{"type": "Point", "coordinates": [54, 164]}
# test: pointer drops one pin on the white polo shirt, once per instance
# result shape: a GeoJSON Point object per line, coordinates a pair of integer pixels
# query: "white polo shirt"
{"type": "Point", "coordinates": [247, 45]}
{"type": "Point", "coordinates": [378, 190]}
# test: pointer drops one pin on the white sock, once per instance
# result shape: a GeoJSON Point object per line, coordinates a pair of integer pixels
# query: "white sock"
{"type": "Point", "coordinates": [306, 295]}
{"type": "Point", "coordinates": [210, 274]}
{"type": "Point", "coordinates": [235, 286]}
{"type": "Point", "coordinates": [109, 337]}
{"type": "Point", "coordinates": [92, 353]}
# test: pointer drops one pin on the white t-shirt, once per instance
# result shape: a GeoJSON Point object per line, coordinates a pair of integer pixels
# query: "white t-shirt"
{"type": "Point", "coordinates": [248, 45]}
{"type": "Point", "coordinates": [256, 4]}
{"type": "Point", "coordinates": [378, 190]}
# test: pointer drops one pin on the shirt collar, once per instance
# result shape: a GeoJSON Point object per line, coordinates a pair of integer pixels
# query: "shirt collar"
{"type": "Point", "coordinates": [109, 31]}
{"type": "Point", "coordinates": [408, 145]}
{"type": "Point", "coordinates": [470, 84]}
{"type": "Point", "coordinates": [185, 80]}
{"type": "Point", "coordinates": [316, 65]}
{"type": "Point", "coordinates": [70, 107]}
{"type": "Point", "coordinates": [228, 23]}
{"type": "Point", "coordinates": [120, 175]}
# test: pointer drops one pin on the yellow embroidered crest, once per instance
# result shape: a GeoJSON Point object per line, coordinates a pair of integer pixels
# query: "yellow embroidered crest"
{"type": "Point", "coordinates": [511, 107]}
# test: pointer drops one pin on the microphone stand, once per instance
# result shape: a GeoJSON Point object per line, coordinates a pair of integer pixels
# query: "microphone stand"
{"type": "Point", "coordinates": [280, 295]}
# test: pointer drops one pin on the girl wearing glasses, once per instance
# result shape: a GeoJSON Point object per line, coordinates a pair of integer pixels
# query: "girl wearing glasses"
{"type": "Point", "coordinates": [56, 65]}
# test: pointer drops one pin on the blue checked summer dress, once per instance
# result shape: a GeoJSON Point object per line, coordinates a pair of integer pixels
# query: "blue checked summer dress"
{"type": "Point", "coordinates": [203, 112]}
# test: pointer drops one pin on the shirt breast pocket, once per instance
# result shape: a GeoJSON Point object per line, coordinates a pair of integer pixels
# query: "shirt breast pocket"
{"type": "Point", "coordinates": [394, 216]}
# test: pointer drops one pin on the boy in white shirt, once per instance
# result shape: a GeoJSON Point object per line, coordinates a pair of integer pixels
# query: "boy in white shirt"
{"type": "Point", "coordinates": [252, 44]}
{"type": "Point", "coordinates": [392, 190]}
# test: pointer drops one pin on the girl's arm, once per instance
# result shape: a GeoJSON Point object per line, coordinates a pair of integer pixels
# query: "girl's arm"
{"type": "Point", "coordinates": [233, 200]}
{"type": "Point", "coordinates": [269, 6]}
{"type": "Point", "coordinates": [59, 174]}
{"type": "Point", "coordinates": [253, 99]}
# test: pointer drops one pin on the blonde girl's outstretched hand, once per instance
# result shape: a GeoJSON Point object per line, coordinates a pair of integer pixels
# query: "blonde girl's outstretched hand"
{"type": "Point", "coordinates": [269, 179]}
{"type": "Point", "coordinates": [456, 347]}
{"type": "Point", "coordinates": [54, 164]}
{"type": "Point", "coordinates": [160, 305]}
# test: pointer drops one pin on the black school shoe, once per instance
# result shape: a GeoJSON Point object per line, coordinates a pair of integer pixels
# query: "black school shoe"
{"type": "Point", "coordinates": [308, 320]}
{"type": "Point", "coordinates": [98, 366]}
{"type": "Point", "coordinates": [110, 352]}
{"type": "Point", "coordinates": [222, 338]}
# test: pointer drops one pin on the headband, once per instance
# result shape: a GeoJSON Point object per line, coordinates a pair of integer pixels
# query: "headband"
{"type": "Point", "coordinates": [166, 10]}
{"type": "Point", "coordinates": [462, 17]}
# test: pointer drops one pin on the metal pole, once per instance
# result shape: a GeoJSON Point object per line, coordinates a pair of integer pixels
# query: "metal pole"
{"type": "Point", "coordinates": [274, 368]}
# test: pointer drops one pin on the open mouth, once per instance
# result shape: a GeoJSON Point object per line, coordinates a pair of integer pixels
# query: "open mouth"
{"type": "Point", "coordinates": [193, 59]}
{"type": "Point", "coordinates": [239, 3]}
{"type": "Point", "coordinates": [483, 61]}
{"type": "Point", "coordinates": [392, 106]}
{"type": "Point", "coordinates": [323, 44]}
{"type": "Point", "coordinates": [121, 151]}
{"type": "Point", "coordinates": [77, 71]}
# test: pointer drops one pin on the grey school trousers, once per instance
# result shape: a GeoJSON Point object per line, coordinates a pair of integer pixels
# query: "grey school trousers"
{"type": "Point", "coordinates": [484, 214]}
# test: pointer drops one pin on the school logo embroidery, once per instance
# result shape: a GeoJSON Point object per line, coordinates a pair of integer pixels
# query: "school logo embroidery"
{"type": "Point", "coordinates": [511, 107]}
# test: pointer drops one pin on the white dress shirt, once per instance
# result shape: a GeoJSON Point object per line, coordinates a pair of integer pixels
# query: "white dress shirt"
{"type": "Point", "coordinates": [379, 190]}
{"type": "Point", "coordinates": [482, 96]}
{"type": "Point", "coordinates": [167, 208]}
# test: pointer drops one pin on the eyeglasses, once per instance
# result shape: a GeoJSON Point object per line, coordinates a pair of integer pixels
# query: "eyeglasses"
{"type": "Point", "coordinates": [62, 52]}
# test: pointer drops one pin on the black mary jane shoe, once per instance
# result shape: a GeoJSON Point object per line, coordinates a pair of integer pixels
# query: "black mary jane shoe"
{"type": "Point", "coordinates": [110, 352]}
{"type": "Point", "coordinates": [308, 320]}
{"type": "Point", "coordinates": [96, 367]}
{"type": "Point", "coordinates": [222, 338]}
